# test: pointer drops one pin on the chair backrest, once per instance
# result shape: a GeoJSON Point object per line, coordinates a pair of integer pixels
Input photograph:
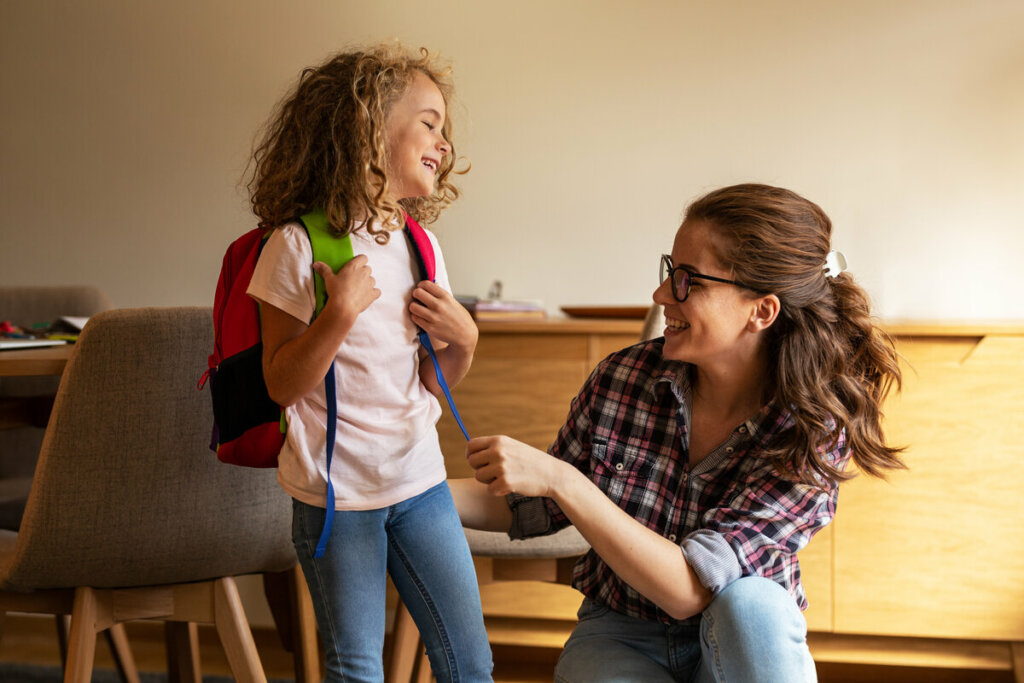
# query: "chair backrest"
{"type": "Point", "coordinates": [126, 491]}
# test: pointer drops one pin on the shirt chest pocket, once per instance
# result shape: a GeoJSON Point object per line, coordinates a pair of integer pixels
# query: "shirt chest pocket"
{"type": "Point", "coordinates": [619, 460]}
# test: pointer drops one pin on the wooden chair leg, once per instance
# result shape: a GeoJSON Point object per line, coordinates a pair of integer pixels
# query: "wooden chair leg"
{"type": "Point", "coordinates": [182, 641]}
{"type": "Point", "coordinates": [82, 638]}
{"type": "Point", "coordinates": [304, 633]}
{"type": "Point", "coordinates": [117, 639]}
{"type": "Point", "coordinates": [63, 626]}
{"type": "Point", "coordinates": [1017, 657]}
{"type": "Point", "coordinates": [234, 632]}
{"type": "Point", "coordinates": [277, 590]}
{"type": "Point", "coordinates": [423, 672]}
{"type": "Point", "coordinates": [405, 647]}
{"type": "Point", "coordinates": [292, 609]}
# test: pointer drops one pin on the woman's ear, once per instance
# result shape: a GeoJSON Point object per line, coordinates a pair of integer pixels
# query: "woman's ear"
{"type": "Point", "coordinates": [765, 311]}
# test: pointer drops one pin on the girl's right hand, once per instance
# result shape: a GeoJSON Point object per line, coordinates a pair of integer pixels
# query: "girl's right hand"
{"type": "Point", "coordinates": [296, 353]}
{"type": "Point", "coordinates": [352, 289]}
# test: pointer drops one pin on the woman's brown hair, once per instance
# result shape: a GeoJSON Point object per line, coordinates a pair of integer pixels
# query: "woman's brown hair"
{"type": "Point", "coordinates": [830, 366]}
{"type": "Point", "coordinates": [325, 146]}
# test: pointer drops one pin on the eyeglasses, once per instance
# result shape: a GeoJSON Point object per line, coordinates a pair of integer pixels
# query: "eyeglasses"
{"type": "Point", "coordinates": [683, 277]}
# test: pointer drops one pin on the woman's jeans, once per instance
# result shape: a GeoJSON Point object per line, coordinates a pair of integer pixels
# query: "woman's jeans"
{"type": "Point", "coordinates": [420, 543]}
{"type": "Point", "coordinates": [752, 632]}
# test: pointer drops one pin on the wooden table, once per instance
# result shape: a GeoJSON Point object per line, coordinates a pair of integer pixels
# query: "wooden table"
{"type": "Point", "coordinates": [47, 360]}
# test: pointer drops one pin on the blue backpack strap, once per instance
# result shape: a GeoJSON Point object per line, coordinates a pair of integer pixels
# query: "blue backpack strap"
{"type": "Point", "coordinates": [420, 242]}
{"type": "Point", "coordinates": [335, 252]}
{"type": "Point", "coordinates": [331, 396]}
{"type": "Point", "coordinates": [425, 341]}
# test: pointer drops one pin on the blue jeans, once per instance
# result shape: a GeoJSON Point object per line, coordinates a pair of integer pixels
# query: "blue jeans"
{"type": "Point", "coordinates": [420, 543]}
{"type": "Point", "coordinates": [752, 632]}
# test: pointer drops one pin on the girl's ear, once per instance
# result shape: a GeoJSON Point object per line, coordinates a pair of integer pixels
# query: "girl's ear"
{"type": "Point", "coordinates": [765, 311]}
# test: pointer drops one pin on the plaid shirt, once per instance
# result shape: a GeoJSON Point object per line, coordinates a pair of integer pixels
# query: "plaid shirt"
{"type": "Point", "coordinates": [731, 514]}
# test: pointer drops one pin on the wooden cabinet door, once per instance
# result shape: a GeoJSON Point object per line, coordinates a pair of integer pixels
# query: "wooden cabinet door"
{"type": "Point", "coordinates": [938, 550]}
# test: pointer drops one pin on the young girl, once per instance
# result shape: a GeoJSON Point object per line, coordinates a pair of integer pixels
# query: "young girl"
{"type": "Point", "coordinates": [697, 465]}
{"type": "Point", "coordinates": [362, 137]}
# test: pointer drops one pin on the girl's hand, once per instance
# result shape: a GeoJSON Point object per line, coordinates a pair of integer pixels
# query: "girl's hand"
{"type": "Point", "coordinates": [446, 320]}
{"type": "Point", "coordinates": [296, 353]}
{"type": "Point", "coordinates": [352, 289]}
{"type": "Point", "coordinates": [510, 466]}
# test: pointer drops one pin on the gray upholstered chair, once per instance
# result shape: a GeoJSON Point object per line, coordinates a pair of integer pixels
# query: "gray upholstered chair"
{"type": "Point", "coordinates": [25, 401]}
{"type": "Point", "coordinates": [25, 404]}
{"type": "Point", "coordinates": [130, 515]}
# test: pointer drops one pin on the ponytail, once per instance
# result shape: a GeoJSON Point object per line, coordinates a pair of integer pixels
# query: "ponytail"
{"type": "Point", "coordinates": [833, 368]}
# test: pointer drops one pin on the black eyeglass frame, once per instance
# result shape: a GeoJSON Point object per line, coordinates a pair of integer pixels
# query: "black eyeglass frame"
{"type": "Point", "coordinates": [668, 271]}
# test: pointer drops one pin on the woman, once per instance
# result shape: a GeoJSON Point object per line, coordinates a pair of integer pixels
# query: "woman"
{"type": "Point", "coordinates": [698, 465]}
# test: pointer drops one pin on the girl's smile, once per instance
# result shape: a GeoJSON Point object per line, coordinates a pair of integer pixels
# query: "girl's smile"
{"type": "Point", "coordinates": [416, 145]}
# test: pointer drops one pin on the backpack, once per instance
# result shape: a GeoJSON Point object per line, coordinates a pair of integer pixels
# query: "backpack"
{"type": "Point", "coordinates": [249, 427]}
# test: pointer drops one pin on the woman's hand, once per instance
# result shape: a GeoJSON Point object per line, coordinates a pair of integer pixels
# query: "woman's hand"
{"type": "Point", "coordinates": [510, 466]}
{"type": "Point", "coordinates": [435, 310]}
{"type": "Point", "coordinates": [653, 565]}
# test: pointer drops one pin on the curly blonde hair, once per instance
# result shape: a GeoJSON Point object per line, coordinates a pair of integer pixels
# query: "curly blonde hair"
{"type": "Point", "coordinates": [831, 367]}
{"type": "Point", "coordinates": [326, 146]}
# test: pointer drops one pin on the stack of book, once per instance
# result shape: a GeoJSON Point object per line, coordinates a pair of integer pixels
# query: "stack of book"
{"type": "Point", "coordinates": [502, 309]}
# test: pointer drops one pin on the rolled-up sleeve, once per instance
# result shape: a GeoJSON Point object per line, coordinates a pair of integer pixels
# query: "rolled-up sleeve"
{"type": "Point", "coordinates": [712, 559]}
{"type": "Point", "coordinates": [759, 533]}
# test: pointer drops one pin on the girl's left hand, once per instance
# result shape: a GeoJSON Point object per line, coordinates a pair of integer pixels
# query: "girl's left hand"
{"type": "Point", "coordinates": [446, 320]}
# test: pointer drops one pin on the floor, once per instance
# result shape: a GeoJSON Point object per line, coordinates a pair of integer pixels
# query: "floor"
{"type": "Point", "coordinates": [33, 639]}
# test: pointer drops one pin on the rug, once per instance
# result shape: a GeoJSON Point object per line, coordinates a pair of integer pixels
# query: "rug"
{"type": "Point", "coordinates": [12, 672]}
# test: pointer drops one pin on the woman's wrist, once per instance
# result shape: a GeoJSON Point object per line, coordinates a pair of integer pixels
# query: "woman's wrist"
{"type": "Point", "coordinates": [564, 481]}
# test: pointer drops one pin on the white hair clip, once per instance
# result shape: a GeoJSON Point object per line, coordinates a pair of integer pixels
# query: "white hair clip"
{"type": "Point", "coordinates": [835, 263]}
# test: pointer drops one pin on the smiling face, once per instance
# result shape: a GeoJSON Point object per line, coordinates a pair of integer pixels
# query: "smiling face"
{"type": "Point", "coordinates": [415, 142]}
{"type": "Point", "coordinates": [717, 323]}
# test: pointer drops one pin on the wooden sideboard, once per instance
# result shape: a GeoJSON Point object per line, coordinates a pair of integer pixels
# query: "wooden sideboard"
{"type": "Point", "coordinates": [923, 569]}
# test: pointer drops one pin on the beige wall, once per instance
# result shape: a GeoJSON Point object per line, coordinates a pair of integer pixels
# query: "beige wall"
{"type": "Point", "coordinates": [125, 126]}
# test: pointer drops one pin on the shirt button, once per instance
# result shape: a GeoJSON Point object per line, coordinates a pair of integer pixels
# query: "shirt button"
{"type": "Point", "coordinates": [743, 429]}
{"type": "Point", "coordinates": [672, 537]}
{"type": "Point", "coordinates": [729, 449]}
{"type": "Point", "coordinates": [618, 466]}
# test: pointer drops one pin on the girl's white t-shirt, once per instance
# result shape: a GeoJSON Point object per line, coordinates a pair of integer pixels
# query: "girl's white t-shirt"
{"type": "Point", "coordinates": [386, 448]}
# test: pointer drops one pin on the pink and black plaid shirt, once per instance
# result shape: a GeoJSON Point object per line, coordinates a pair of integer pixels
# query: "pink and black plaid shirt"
{"type": "Point", "coordinates": [731, 514]}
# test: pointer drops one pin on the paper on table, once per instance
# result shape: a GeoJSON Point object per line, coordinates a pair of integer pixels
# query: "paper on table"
{"type": "Point", "coordinates": [77, 322]}
{"type": "Point", "coordinates": [7, 344]}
